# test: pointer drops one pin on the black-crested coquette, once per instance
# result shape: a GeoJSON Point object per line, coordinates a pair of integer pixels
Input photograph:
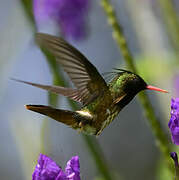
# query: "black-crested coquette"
{"type": "Point", "coordinates": [101, 101]}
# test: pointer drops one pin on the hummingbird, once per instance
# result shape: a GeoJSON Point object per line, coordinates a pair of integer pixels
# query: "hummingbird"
{"type": "Point", "coordinates": [101, 101]}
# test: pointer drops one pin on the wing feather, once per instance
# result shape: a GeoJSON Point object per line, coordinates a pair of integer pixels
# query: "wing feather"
{"type": "Point", "coordinates": [71, 93]}
{"type": "Point", "coordinates": [82, 73]}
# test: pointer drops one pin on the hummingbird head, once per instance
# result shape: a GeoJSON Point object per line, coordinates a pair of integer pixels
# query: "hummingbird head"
{"type": "Point", "coordinates": [133, 83]}
{"type": "Point", "coordinates": [126, 85]}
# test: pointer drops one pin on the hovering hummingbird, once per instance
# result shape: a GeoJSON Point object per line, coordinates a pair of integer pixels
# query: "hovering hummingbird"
{"type": "Point", "coordinates": [101, 101]}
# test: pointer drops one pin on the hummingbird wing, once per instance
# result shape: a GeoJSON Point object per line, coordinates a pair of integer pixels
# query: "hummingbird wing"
{"type": "Point", "coordinates": [118, 99]}
{"type": "Point", "coordinates": [71, 93]}
{"type": "Point", "coordinates": [82, 73]}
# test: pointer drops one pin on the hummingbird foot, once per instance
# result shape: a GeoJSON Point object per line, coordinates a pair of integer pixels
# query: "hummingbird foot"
{"type": "Point", "coordinates": [82, 126]}
{"type": "Point", "coordinates": [85, 126]}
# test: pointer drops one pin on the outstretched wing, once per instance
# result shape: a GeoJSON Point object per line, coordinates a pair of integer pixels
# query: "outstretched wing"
{"type": "Point", "coordinates": [71, 93]}
{"type": "Point", "coordinates": [82, 73]}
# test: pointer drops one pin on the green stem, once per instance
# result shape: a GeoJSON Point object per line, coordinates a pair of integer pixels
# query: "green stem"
{"type": "Point", "coordinates": [171, 21]}
{"type": "Point", "coordinates": [91, 142]}
{"type": "Point", "coordinates": [119, 37]}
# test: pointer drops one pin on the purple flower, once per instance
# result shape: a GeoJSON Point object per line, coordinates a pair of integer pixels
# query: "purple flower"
{"type": "Point", "coordinates": [71, 15]}
{"type": "Point", "coordinates": [47, 169]}
{"type": "Point", "coordinates": [174, 120]}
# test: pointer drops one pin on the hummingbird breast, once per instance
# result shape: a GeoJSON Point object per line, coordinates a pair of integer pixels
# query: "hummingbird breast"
{"type": "Point", "coordinates": [99, 113]}
{"type": "Point", "coordinates": [110, 116]}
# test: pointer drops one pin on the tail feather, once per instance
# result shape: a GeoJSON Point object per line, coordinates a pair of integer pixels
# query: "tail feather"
{"type": "Point", "coordinates": [63, 116]}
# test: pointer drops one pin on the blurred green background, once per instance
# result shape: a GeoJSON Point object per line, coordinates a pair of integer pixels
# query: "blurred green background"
{"type": "Point", "coordinates": [128, 143]}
